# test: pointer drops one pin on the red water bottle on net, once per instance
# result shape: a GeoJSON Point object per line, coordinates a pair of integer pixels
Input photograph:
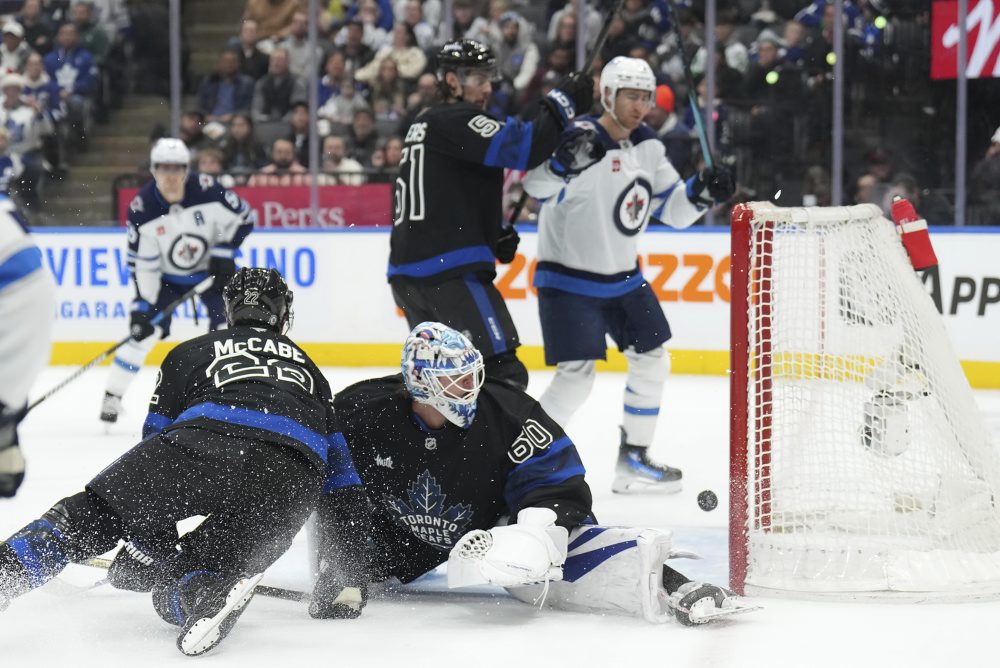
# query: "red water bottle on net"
{"type": "Point", "coordinates": [916, 239]}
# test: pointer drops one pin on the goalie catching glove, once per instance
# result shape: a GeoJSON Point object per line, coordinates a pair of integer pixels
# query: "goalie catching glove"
{"type": "Point", "coordinates": [531, 551]}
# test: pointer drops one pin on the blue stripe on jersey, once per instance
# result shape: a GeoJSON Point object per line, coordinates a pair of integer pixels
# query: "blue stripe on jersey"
{"type": "Point", "coordinates": [663, 195]}
{"type": "Point", "coordinates": [555, 465]}
{"type": "Point", "coordinates": [339, 467]}
{"type": "Point", "coordinates": [511, 146]}
{"type": "Point", "coordinates": [580, 564]}
{"type": "Point", "coordinates": [19, 265]}
{"type": "Point", "coordinates": [581, 286]}
{"type": "Point", "coordinates": [444, 262]}
{"type": "Point", "coordinates": [586, 537]}
{"type": "Point", "coordinates": [179, 279]}
{"type": "Point", "coordinates": [154, 424]}
{"type": "Point", "coordinates": [487, 313]}
{"type": "Point", "coordinates": [131, 368]}
{"type": "Point", "coordinates": [278, 424]}
{"type": "Point", "coordinates": [635, 410]}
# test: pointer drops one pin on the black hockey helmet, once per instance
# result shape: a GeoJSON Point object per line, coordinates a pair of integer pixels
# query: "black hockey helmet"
{"type": "Point", "coordinates": [465, 54]}
{"type": "Point", "coordinates": [259, 297]}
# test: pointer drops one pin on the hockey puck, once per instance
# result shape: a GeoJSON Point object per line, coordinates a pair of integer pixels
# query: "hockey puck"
{"type": "Point", "coordinates": [707, 500]}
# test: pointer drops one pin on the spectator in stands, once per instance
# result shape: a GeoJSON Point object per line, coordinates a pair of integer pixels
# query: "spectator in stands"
{"type": "Point", "coordinates": [517, 55]}
{"type": "Point", "coordinates": [93, 36]}
{"type": "Point", "coordinates": [38, 30]}
{"type": "Point", "coordinates": [339, 108]}
{"type": "Point", "coordinates": [278, 90]}
{"type": "Point", "coordinates": [14, 51]}
{"type": "Point", "coordinates": [377, 171]}
{"type": "Point", "coordinates": [984, 193]}
{"type": "Point", "coordinates": [210, 162]}
{"type": "Point", "coordinates": [565, 33]}
{"type": "Point", "coordinates": [557, 64]}
{"type": "Point", "coordinates": [929, 204]}
{"type": "Point", "coordinates": [297, 46]}
{"type": "Point", "coordinates": [410, 60]}
{"type": "Point", "coordinates": [796, 38]}
{"type": "Point", "coordinates": [864, 190]}
{"type": "Point", "coordinates": [640, 23]}
{"type": "Point", "coordinates": [26, 125]}
{"type": "Point", "coordinates": [676, 137]}
{"type": "Point", "coordinates": [736, 54]}
{"type": "Point", "coordinates": [283, 170]}
{"type": "Point", "coordinates": [77, 80]}
{"type": "Point", "coordinates": [415, 17]}
{"type": "Point", "coordinates": [227, 91]}
{"type": "Point", "coordinates": [388, 95]}
{"type": "Point", "coordinates": [41, 89]}
{"type": "Point", "coordinates": [273, 17]}
{"type": "Point", "coordinates": [351, 41]}
{"type": "Point", "coordinates": [241, 150]}
{"type": "Point", "coordinates": [193, 131]}
{"type": "Point", "coordinates": [298, 121]}
{"type": "Point", "coordinates": [338, 168]}
{"type": "Point", "coordinates": [466, 24]}
{"type": "Point", "coordinates": [376, 27]}
{"type": "Point", "coordinates": [423, 97]}
{"type": "Point", "coordinates": [10, 164]}
{"type": "Point", "coordinates": [362, 137]}
{"type": "Point", "coordinates": [429, 9]}
{"type": "Point", "coordinates": [593, 18]}
{"type": "Point", "coordinates": [253, 61]}
{"type": "Point", "coordinates": [393, 152]}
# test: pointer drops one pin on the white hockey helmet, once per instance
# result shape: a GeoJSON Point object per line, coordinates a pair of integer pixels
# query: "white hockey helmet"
{"type": "Point", "coordinates": [169, 151]}
{"type": "Point", "coordinates": [624, 72]}
{"type": "Point", "coordinates": [441, 368]}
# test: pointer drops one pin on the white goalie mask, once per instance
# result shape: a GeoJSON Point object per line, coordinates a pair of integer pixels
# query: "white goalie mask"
{"type": "Point", "coordinates": [624, 72]}
{"type": "Point", "coordinates": [441, 368]}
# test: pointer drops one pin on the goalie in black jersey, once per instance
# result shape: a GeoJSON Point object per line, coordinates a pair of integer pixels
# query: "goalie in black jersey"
{"type": "Point", "coordinates": [444, 454]}
{"type": "Point", "coordinates": [447, 234]}
{"type": "Point", "coordinates": [240, 429]}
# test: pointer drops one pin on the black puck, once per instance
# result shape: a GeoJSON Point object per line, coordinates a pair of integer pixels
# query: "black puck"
{"type": "Point", "coordinates": [707, 500]}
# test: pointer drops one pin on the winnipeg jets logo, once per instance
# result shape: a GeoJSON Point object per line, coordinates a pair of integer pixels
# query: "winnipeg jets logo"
{"type": "Point", "coordinates": [187, 251]}
{"type": "Point", "coordinates": [424, 513]}
{"type": "Point", "coordinates": [485, 126]}
{"type": "Point", "coordinates": [632, 208]}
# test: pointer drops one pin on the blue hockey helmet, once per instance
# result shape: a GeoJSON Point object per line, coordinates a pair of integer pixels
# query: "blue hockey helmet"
{"type": "Point", "coordinates": [441, 368]}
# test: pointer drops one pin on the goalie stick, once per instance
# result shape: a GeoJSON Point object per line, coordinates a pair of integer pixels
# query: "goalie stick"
{"type": "Point", "coordinates": [169, 308]}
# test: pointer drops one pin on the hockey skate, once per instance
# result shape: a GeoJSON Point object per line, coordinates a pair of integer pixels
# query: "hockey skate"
{"type": "Point", "coordinates": [696, 603]}
{"type": "Point", "coordinates": [111, 406]}
{"type": "Point", "coordinates": [636, 472]}
{"type": "Point", "coordinates": [212, 606]}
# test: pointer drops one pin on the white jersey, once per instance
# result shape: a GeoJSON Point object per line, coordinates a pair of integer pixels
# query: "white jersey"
{"type": "Point", "coordinates": [589, 226]}
{"type": "Point", "coordinates": [174, 242]}
{"type": "Point", "coordinates": [27, 308]}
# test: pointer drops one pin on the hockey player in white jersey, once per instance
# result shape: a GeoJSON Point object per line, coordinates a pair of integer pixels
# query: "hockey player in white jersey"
{"type": "Point", "coordinates": [599, 190]}
{"type": "Point", "coordinates": [27, 309]}
{"type": "Point", "coordinates": [182, 227]}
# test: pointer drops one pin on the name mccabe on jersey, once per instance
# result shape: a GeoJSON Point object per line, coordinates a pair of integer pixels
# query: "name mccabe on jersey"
{"type": "Point", "coordinates": [258, 345]}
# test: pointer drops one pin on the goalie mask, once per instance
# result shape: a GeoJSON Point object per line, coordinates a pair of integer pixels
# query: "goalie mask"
{"type": "Point", "coordinates": [260, 298]}
{"type": "Point", "coordinates": [441, 368]}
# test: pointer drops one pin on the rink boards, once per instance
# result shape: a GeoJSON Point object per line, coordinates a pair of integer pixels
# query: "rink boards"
{"type": "Point", "coordinates": [345, 316]}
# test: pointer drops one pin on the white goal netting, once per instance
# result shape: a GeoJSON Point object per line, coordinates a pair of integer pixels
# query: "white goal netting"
{"type": "Point", "coordinates": [869, 470]}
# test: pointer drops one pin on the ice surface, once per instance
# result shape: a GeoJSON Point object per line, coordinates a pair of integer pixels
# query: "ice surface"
{"type": "Point", "coordinates": [425, 624]}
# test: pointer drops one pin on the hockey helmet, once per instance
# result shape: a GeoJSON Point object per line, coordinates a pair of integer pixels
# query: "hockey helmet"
{"type": "Point", "coordinates": [441, 368]}
{"type": "Point", "coordinates": [258, 297]}
{"type": "Point", "coordinates": [462, 55]}
{"type": "Point", "coordinates": [624, 72]}
{"type": "Point", "coordinates": [169, 151]}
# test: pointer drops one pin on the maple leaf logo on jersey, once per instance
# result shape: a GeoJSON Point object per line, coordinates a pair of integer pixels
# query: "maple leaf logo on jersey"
{"type": "Point", "coordinates": [424, 512]}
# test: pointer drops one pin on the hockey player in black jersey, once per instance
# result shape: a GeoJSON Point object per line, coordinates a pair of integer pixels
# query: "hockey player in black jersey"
{"type": "Point", "coordinates": [240, 429]}
{"type": "Point", "coordinates": [447, 233]}
{"type": "Point", "coordinates": [444, 454]}
{"type": "Point", "coordinates": [182, 228]}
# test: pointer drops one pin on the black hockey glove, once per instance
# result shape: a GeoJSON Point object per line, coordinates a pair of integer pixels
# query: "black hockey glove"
{"type": "Point", "coordinates": [330, 600]}
{"type": "Point", "coordinates": [11, 460]}
{"type": "Point", "coordinates": [574, 96]}
{"type": "Point", "coordinates": [713, 185]}
{"type": "Point", "coordinates": [579, 149]}
{"type": "Point", "coordinates": [223, 269]}
{"type": "Point", "coordinates": [507, 245]}
{"type": "Point", "coordinates": [140, 324]}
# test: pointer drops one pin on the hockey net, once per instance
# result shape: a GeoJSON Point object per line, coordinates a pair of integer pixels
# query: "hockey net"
{"type": "Point", "coordinates": [860, 465]}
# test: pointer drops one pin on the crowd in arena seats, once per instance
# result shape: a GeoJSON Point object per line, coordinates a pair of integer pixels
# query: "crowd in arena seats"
{"type": "Point", "coordinates": [60, 71]}
{"type": "Point", "coordinates": [772, 103]}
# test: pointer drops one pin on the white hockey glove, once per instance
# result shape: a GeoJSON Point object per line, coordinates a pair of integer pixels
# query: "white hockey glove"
{"type": "Point", "coordinates": [531, 551]}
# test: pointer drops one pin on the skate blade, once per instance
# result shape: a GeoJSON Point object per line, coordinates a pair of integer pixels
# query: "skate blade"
{"type": "Point", "coordinates": [632, 486]}
{"type": "Point", "coordinates": [705, 616]}
{"type": "Point", "coordinates": [205, 633]}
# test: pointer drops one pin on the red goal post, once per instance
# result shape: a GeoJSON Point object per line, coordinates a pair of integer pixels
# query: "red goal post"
{"type": "Point", "coordinates": [860, 466]}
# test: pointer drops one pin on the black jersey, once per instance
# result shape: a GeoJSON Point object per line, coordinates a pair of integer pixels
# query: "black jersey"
{"type": "Point", "coordinates": [253, 383]}
{"type": "Point", "coordinates": [430, 487]}
{"type": "Point", "coordinates": [448, 196]}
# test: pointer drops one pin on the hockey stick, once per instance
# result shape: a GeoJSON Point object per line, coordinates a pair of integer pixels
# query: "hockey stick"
{"type": "Point", "coordinates": [167, 310]}
{"type": "Point", "coordinates": [602, 37]}
{"type": "Point", "coordinates": [692, 95]}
